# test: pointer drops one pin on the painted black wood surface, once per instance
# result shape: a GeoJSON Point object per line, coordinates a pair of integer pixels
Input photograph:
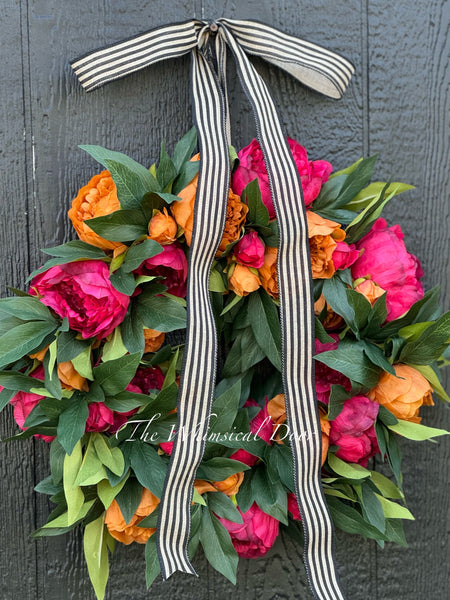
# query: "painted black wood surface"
{"type": "Point", "coordinates": [397, 106]}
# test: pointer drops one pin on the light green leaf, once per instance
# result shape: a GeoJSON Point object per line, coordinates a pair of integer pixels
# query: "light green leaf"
{"type": "Point", "coordinates": [63, 520]}
{"type": "Point", "coordinates": [72, 492]}
{"type": "Point", "coordinates": [392, 510]}
{"type": "Point", "coordinates": [106, 492]}
{"type": "Point", "coordinates": [386, 486]}
{"type": "Point", "coordinates": [83, 364]}
{"type": "Point", "coordinates": [110, 457]}
{"type": "Point", "coordinates": [416, 431]}
{"type": "Point", "coordinates": [198, 498]}
{"type": "Point", "coordinates": [114, 348]}
{"type": "Point", "coordinates": [428, 372]}
{"type": "Point", "coordinates": [348, 470]}
{"type": "Point", "coordinates": [96, 555]}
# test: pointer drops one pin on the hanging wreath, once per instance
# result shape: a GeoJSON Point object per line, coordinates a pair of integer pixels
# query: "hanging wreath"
{"type": "Point", "coordinates": [91, 356]}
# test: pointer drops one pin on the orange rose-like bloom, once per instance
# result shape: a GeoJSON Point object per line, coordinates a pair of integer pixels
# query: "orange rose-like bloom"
{"type": "Point", "coordinates": [70, 378]}
{"type": "Point", "coordinates": [130, 532]}
{"type": "Point", "coordinates": [183, 211]}
{"type": "Point", "coordinates": [153, 340]}
{"type": "Point", "coordinates": [243, 280]}
{"type": "Point", "coordinates": [403, 397]}
{"type": "Point", "coordinates": [162, 228]}
{"type": "Point", "coordinates": [277, 412]}
{"type": "Point", "coordinates": [96, 199]}
{"type": "Point", "coordinates": [332, 320]}
{"type": "Point", "coordinates": [268, 272]}
{"type": "Point", "coordinates": [230, 486]}
{"type": "Point", "coordinates": [323, 237]}
{"type": "Point", "coordinates": [370, 290]}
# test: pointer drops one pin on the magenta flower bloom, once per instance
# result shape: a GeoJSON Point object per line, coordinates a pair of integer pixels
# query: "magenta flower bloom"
{"type": "Point", "coordinates": [353, 430]}
{"type": "Point", "coordinates": [293, 507]}
{"type": "Point", "coordinates": [249, 251]}
{"type": "Point", "coordinates": [255, 535]}
{"type": "Point", "coordinates": [82, 292]}
{"type": "Point", "coordinates": [313, 174]}
{"type": "Point", "coordinates": [261, 426]}
{"type": "Point", "coordinates": [387, 263]}
{"type": "Point", "coordinates": [146, 379]}
{"type": "Point", "coordinates": [24, 402]}
{"type": "Point", "coordinates": [171, 264]}
{"type": "Point", "coordinates": [344, 255]}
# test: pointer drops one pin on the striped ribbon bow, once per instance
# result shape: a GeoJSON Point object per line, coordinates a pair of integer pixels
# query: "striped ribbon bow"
{"type": "Point", "coordinates": [324, 72]}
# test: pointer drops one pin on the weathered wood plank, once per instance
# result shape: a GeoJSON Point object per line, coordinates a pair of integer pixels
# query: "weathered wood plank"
{"type": "Point", "coordinates": [409, 125]}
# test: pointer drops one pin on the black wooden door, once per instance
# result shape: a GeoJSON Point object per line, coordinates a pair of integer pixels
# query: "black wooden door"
{"type": "Point", "coordinates": [396, 106]}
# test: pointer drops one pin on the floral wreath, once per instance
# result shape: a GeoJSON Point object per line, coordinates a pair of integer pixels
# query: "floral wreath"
{"type": "Point", "coordinates": [90, 361]}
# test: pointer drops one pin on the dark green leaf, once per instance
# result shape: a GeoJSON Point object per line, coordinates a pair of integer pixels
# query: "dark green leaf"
{"type": "Point", "coordinates": [225, 408]}
{"type": "Point", "coordinates": [184, 148]}
{"type": "Point", "coordinates": [377, 356]}
{"type": "Point", "coordinates": [148, 466]}
{"type": "Point", "coordinates": [188, 171]}
{"type": "Point", "coordinates": [72, 422]}
{"type": "Point", "coordinates": [329, 192]}
{"type": "Point", "coordinates": [166, 171]}
{"type": "Point", "coordinates": [338, 395]}
{"type": "Point", "coordinates": [218, 547]}
{"type": "Point", "coordinates": [244, 353]}
{"type": "Point", "coordinates": [245, 495]}
{"type": "Point", "coordinates": [23, 339]}
{"type": "Point", "coordinates": [12, 380]}
{"type": "Point", "coordinates": [349, 360]}
{"type": "Point", "coordinates": [26, 308]}
{"type": "Point", "coordinates": [129, 498]}
{"type": "Point", "coordinates": [429, 345]}
{"type": "Point", "coordinates": [136, 255]}
{"type": "Point", "coordinates": [152, 568]}
{"type": "Point", "coordinates": [69, 346]}
{"type": "Point", "coordinates": [5, 397]}
{"type": "Point", "coordinates": [265, 324]}
{"type": "Point", "coordinates": [335, 293]}
{"type": "Point", "coordinates": [123, 282]}
{"type": "Point", "coordinates": [350, 520]}
{"type": "Point", "coordinates": [120, 226]}
{"type": "Point", "coordinates": [386, 416]}
{"type": "Point", "coordinates": [114, 376]}
{"type": "Point", "coordinates": [321, 334]}
{"type": "Point", "coordinates": [270, 497]}
{"type": "Point", "coordinates": [132, 330]}
{"type": "Point", "coordinates": [223, 506]}
{"type": "Point", "coordinates": [76, 250]}
{"type": "Point", "coordinates": [355, 181]}
{"type": "Point", "coordinates": [372, 509]}
{"type": "Point", "coordinates": [257, 211]}
{"type": "Point", "coordinates": [130, 186]}
{"type": "Point", "coordinates": [160, 313]}
{"type": "Point", "coordinates": [219, 468]}
{"type": "Point", "coordinates": [279, 460]}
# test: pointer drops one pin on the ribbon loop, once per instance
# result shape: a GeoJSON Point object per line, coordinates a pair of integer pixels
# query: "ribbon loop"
{"type": "Point", "coordinates": [323, 71]}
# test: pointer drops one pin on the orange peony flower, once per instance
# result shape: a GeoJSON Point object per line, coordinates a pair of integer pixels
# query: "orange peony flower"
{"type": "Point", "coordinates": [277, 411]}
{"type": "Point", "coordinates": [130, 532]}
{"type": "Point", "coordinates": [183, 211]}
{"type": "Point", "coordinates": [230, 486]}
{"type": "Point", "coordinates": [403, 397]}
{"type": "Point", "coordinates": [162, 228]}
{"type": "Point", "coordinates": [323, 237]}
{"type": "Point", "coordinates": [243, 280]}
{"type": "Point", "coordinates": [370, 290]}
{"type": "Point", "coordinates": [96, 199]}
{"type": "Point", "coordinates": [70, 378]}
{"type": "Point", "coordinates": [153, 340]}
{"type": "Point", "coordinates": [332, 320]}
{"type": "Point", "coordinates": [268, 272]}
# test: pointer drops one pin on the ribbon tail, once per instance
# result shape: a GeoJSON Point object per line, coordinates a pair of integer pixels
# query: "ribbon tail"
{"type": "Point", "coordinates": [297, 328]}
{"type": "Point", "coordinates": [199, 365]}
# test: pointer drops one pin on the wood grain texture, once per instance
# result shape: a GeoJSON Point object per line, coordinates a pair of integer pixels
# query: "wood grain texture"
{"type": "Point", "coordinates": [397, 106]}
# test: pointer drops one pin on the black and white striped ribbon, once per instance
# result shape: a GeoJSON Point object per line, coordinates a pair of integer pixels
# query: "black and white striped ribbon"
{"type": "Point", "coordinates": [327, 73]}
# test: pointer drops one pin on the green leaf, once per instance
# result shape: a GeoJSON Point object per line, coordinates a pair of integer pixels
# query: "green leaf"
{"type": "Point", "coordinates": [385, 486]}
{"type": "Point", "coordinates": [72, 492]}
{"type": "Point", "coordinates": [270, 496]}
{"type": "Point", "coordinates": [132, 331]}
{"type": "Point", "coordinates": [166, 171]}
{"type": "Point", "coordinates": [75, 250]}
{"type": "Point", "coordinates": [335, 293]}
{"type": "Point", "coordinates": [129, 498]}
{"type": "Point", "coordinates": [395, 532]}
{"type": "Point", "coordinates": [265, 324]}
{"type": "Point", "coordinates": [349, 360]}
{"type": "Point", "coordinates": [349, 519]}
{"type": "Point", "coordinates": [136, 255]}
{"type": "Point", "coordinates": [329, 192]}
{"type": "Point", "coordinates": [363, 222]}
{"type": "Point", "coordinates": [218, 547]}
{"type": "Point", "coordinates": [219, 468]}
{"type": "Point", "coordinates": [123, 225]}
{"type": "Point", "coordinates": [123, 282]}
{"type": "Point", "coordinates": [26, 308]}
{"type": "Point", "coordinates": [148, 466]}
{"type": "Point", "coordinates": [373, 190]}
{"type": "Point", "coordinates": [184, 148]}
{"type": "Point", "coordinates": [72, 422]}
{"type": "Point", "coordinates": [338, 395]}
{"type": "Point", "coordinates": [69, 346]}
{"type": "Point", "coordinates": [91, 469]}
{"type": "Point", "coordinates": [12, 380]}
{"type": "Point", "coordinates": [83, 363]}
{"type": "Point", "coordinates": [114, 348]}
{"type": "Point", "coordinates": [23, 339]}
{"type": "Point", "coordinates": [152, 568]}
{"type": "Point", "coordinates": [114, 376]}
{"type": "Point", "coordinates": [372, 508]}
{"type": "Point", "coordinates": [279, 461]}
{"type": "Point", "coordinates": [130, 187]}
{"type": "Point", "coordinates": [430, 374]}
{"type": "Point", "coordinates": [106, 492]}
{"type": "Point", "coordinates": [160, 313]}
{"type": "Point", "coordinates": [429, 345]}
{"type": "Point", "coordinates": [5, 397]}
{"type": "Point", "coordinates": [63, 519]}
{"type": "Point", "coordinates": [348, 470]}
{"type": "Point", "coordinates": [392, 510]}
{"type": "Point", "coordinates": [110, 457]}
{"type": "Point", "coordinates": [356, 180]}
{"type": "Point", "coordinates": [416, 431]}
{"type": "Point", "coordinates": [321, 333]}
{"type": "Point", "coordinates": [376, 355]}
{"type": "Point", "coordinates": [188, 171]}
{"type": "Point", "coordinates": [257, 211]}
{"type": "Point", "coordinates": [96, 555]}
{"type": "Point", "coordinates": [223, 507]}
{"type": "Point", "coordinates": [386, 417]}
{"type": "Point", "coordinates": [225, 407]}
{"type": "Point", "coordinates": [244, 353]}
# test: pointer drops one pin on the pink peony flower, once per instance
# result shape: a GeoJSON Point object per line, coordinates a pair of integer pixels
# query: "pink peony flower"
{"type": "Point", "coordinates": [255, 535]}
{"type": "Point", "coordinates": [313, 174]}
{"type": "Point", "coordinates": [386, 261]}
{"type": "Point", "coordinates": [82, 292]}
{"type": "Point", "coordinates": [326, 377]}
{"type": "Point", "coordinates": [249, 251]}
{"type": "Point", "coordinates": [102, 418]}
{"type": "Point", "coordinates": [147, 379]}
{"type": "Point", "coordinates": [344, 255]}
{"type": "Point", "coordinates": [24, 402]}
{"type": "Point", "coordinates": [353, 430]}
{"type": "Point", "coordinates": [171, 264]}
